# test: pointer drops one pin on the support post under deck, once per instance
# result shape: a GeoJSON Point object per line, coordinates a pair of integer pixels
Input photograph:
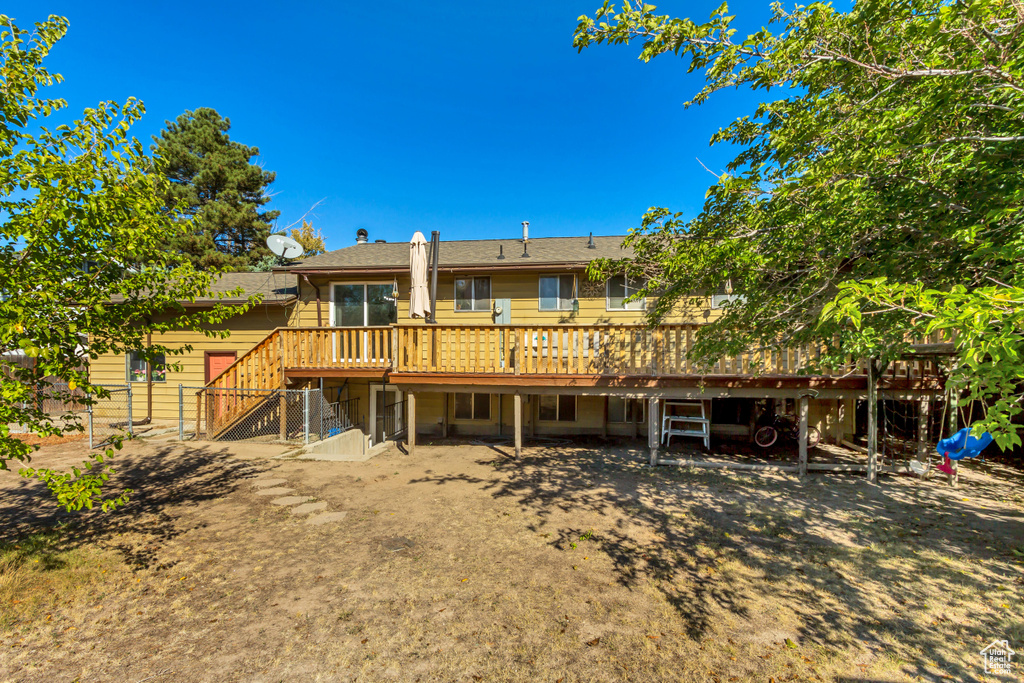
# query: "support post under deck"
{"type": "Point", "coordinates": [653, 429]}
{"type": "Point", "coordinates": [517, 406]}
{"type": "Point", "coordinates": [803, 436]}
{"type": "Point", "coordinates": [872, 422]}
{"type": "Point", "coordinates": [410, 425]}
{"type": "Point", "coordinates": [923, 415]}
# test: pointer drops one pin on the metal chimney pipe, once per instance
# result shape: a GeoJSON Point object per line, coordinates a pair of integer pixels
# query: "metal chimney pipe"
{"type": "Point", "coordinates": [435, 244]}
{"type": "Point", "coordinates": [526, 230]}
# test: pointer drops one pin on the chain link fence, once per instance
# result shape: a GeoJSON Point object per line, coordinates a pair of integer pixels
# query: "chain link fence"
{"type": "Point", "coordinates": [106, 418]}
{"type": "Point", "coordinates": [262, 415]}
{"type": "Point", "coordinates": [110, 416]}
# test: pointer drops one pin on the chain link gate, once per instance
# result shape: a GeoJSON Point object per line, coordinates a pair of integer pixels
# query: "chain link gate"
{"type": "Point", "coordinates": [111, 416]}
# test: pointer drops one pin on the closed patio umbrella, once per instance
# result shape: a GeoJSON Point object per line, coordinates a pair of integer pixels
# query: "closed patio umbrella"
{"type": "Point", "coordinates": [419, 298]}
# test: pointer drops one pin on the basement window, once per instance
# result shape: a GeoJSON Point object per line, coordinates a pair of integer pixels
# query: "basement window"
{"type": "Point", "coordinates": [557, 408]}
{"type": "Point", "coordinates": [473, 294]}
{"type": "Point", "coordinates": [624, 410]}
{"type": "Point", "coordinates": [472, 406]}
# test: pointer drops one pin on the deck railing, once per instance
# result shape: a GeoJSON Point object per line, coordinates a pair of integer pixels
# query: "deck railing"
{"type": "Point", "coordinates": [619, 350]}
{"type": "Point", "coordinates": [596, 350]}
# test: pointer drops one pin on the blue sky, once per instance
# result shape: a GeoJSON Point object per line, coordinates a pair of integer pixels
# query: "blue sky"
{"type": "Point", "coordinates": [466, 118]}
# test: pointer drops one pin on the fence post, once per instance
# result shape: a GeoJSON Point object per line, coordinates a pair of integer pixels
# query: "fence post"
{"type": "Point", "coordinates": [181, 412]}
{"type": "Point", "coordinates": [305, 415]}
{"type": "Point", "coordinates": [90, 428]}
{"type": "Point", "coordinates": [131, 427]}
{"type": "Point", "coordinates": [320, 410]}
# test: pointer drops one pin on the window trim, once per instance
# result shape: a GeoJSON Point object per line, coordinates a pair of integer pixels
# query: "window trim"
{"type": "Point", "coordinates": [472, 279]}
{"type": "Point", "coordinates": [473, 395]}
{"type": "Point", "coordinates": [149, 372]}
{"type": "Point", "coordinates": [558, 409]}
{"type": "Point", "coordinates": [366, 310]}
{"type": "Point", "coordinates": [558, 278]}
{"type": "Point", "coordinates": [625, 307]}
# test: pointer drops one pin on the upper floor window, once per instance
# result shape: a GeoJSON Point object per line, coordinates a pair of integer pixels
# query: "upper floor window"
{"type": "Point", "coordinates": [472, 294]}
{"type": "Point", "coordinates": [618, 290]}
{"type": "Point", "coordinates": [363, 305]}
{"type": "Point", "coordinates": [556, 292]}
{"type": "Point", "coordinates": [137, 367]}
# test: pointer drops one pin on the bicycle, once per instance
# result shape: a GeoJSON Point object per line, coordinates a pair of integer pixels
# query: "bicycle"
{"type": "Point", "coordinates": [788, 428]}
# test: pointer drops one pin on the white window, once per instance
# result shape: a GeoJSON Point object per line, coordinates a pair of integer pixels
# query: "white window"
{"type": "Point", "coordinates": [472, 294]}
{"type": "Point", "coordinates": [618, 290]}
{"type": "Point", "coordinates": [724, 300]}
{"type": "Point", "coordinates": [557, 408]}
{"type": "Point", "coordinates": [363, 305]}
{"type": "Point", "coordinates": [556, 292]}
{"type": "Point", "coordinates": [625, 409]}
{"type": "Point", "coordinates": [472, 406]}
{"type": "Point", "coordinates": [137, 367]}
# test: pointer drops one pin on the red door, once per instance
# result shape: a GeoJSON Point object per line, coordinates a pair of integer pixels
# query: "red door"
{"type": "Point", "coordinates": [217, 362]}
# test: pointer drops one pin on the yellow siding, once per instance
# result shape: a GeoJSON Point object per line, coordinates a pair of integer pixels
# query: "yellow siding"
{"type": "Point", "coordinates": [246, 331]}
{"type": "Point", "coordinates": [522, 288]}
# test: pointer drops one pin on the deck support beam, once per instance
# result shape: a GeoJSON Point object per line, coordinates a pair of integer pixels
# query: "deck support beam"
{"type": "Point", "coordinates": [410, 425]}
{"type": "Point", "coordinates": [517, 409]}
{"type": "Point", "coordinates": [653, 430]}
{"type": "Point", "coordinates": [803, 435]}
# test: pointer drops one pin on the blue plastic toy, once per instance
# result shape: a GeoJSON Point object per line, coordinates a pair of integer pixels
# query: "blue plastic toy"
{"type": "Point", "coordinates": [959, 446]}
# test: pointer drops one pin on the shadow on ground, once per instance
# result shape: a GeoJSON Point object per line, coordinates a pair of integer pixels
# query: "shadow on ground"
{"type": "Point", "coordinates": [162, 477]}
{"type": "Point", "coordinates": [858, 564]}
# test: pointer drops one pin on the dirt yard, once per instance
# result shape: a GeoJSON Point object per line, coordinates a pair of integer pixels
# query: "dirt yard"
{"type": "Point", "coordinates": [459, 563]}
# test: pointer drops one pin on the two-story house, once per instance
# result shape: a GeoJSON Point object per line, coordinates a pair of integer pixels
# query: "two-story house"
{"type": "Point", "coordinates": [522, 342]}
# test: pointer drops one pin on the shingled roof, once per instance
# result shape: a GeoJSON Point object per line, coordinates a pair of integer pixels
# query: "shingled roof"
{"type": "Point", "coordinates": [275, 287]}
{"type": "Point", "coordinates": [543, 251]}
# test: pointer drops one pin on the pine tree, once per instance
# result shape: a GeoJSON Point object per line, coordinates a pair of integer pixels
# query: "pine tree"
{"type": "Point", "coordinates": [213, 182]}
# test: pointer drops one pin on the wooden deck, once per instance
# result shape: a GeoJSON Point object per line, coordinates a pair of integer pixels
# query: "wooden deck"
{"type": "Point", "coordinates": [558, 355]}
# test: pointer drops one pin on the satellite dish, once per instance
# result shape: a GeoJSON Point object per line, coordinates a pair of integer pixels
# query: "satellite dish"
{"type": "Point", "coordinates": [284, 246]}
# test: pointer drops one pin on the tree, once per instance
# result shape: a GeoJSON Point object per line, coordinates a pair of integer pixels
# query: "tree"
{"type": "Point", "coordinates": [214, 184]}
{"type": "Point", "coordinates": [877, 195]}
{"type": "Point", "coordinates": [312, 240]}
{"type": "Point", "coordinates": [85, 269]}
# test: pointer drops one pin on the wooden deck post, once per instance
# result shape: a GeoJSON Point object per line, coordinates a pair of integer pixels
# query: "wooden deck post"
{"type": "Point", "coordinates": [283, 400]}
{"type": "Point", "coordinates": [518, 410]}
{"type": "Point", "coordinates": [923, 413]}
{"type": "Point", "coordinates": [410, 425]}
{"type": "Point", "coordinates": [803, 436]}
{"type": "Point", "coordinates": [872, 422]}
{"type": "Point", "coordinates": [653, 430]}
{"type": "Point", "coordinates": [837, 427]}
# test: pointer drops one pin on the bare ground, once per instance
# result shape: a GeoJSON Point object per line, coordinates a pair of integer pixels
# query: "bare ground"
{"type": "Point", "coordinates": [459, 563]}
